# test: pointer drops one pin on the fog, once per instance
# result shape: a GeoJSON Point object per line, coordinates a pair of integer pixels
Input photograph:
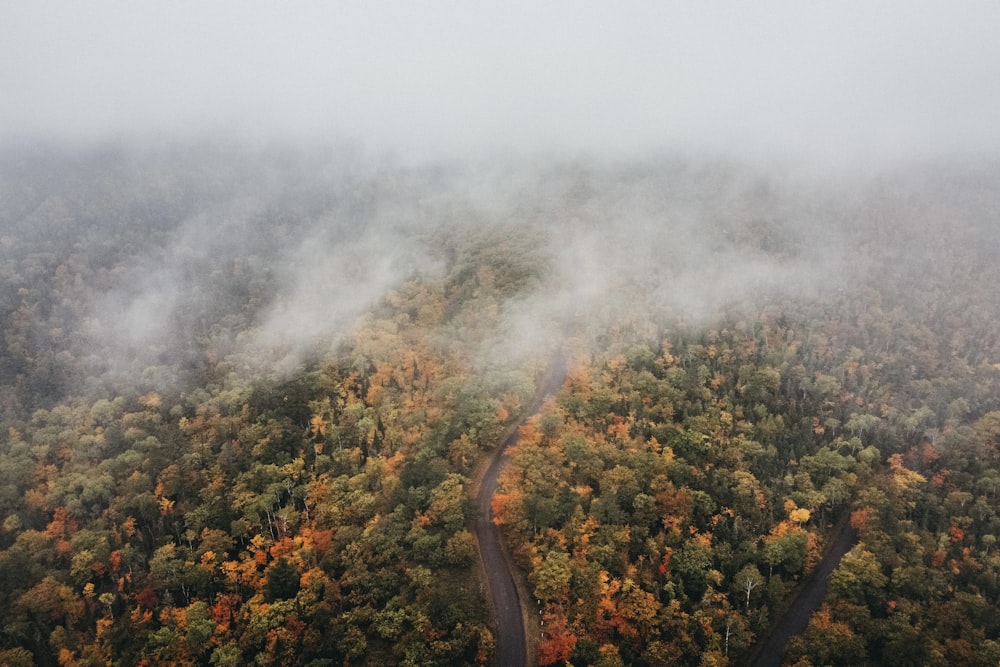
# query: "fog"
{"type": "Point", "coordinates": [258, 260]}
{"type": "Point", "coordinates": [664, 158]}
{"type": "Point", "coordinates": [846, 82]}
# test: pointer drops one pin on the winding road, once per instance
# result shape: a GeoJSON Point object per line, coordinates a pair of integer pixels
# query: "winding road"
{"type": "Point", "coordinates": [509, 614]}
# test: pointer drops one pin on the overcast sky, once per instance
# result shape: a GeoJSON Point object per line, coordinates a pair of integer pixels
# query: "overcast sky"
{"type": "Point", "coordinates": [799, 79]}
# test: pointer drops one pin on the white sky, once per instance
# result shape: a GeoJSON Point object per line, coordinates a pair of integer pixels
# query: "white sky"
{"type": "Point", "coordinates": [824, 80]}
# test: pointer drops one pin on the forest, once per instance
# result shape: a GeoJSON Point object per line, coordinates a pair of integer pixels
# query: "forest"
{"type": "Point", "coordinates": [246, 394]}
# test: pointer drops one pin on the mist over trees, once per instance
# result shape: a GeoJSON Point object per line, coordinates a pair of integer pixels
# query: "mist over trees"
{"type": "Point", "coordinates": [276, 281]}
{"type": "Point", "coordinates": [245, 391]}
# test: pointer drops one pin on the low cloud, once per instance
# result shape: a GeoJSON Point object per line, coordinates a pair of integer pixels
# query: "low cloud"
{"type": "Point", "coordinates": [855, 83]}
{"type": "Point", "coordinates": [245, 260]}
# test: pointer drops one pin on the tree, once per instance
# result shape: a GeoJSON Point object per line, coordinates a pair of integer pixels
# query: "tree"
{"type": "Point", "coordinates": [551, 579]}
{"type": "Point", "coordinates": [282, 581]}
{"type": "Point", "coordinates": [557, 642]}
{"type": "Point", "coordinates": [52, 602]}
{"type": "Point", "coordinates": [859, 576]}
{"type": "Point", "coordinates": [747, 580]}
{"type": "Point", "coordinates": [460, 549]}
{"type": "Point", "coordinates": [826, 641]}
{"type": "Point", "coordinates": [448, 501]}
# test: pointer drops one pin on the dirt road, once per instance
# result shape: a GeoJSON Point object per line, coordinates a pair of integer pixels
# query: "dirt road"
{"type": "Point", "coordinates": [808, 599]}
{"type": "Point", "coordinates": [512, 644]}
{"type": "Point", "coordinates": [508, 607]}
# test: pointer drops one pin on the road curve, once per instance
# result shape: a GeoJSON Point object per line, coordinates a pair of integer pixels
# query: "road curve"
{"type": "Point", "coordinates": [508, 610]}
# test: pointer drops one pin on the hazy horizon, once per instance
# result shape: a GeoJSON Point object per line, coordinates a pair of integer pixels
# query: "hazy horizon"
{"type": "Point", "coordinates": [851, 83]}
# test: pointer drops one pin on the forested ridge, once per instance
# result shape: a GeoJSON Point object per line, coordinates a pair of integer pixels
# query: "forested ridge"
{"type": "Point", "coordinates": [244, 394]}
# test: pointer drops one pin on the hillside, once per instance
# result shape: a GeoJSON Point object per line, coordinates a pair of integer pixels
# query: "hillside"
{"type": "Point", "coordinates": [244, 393]}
